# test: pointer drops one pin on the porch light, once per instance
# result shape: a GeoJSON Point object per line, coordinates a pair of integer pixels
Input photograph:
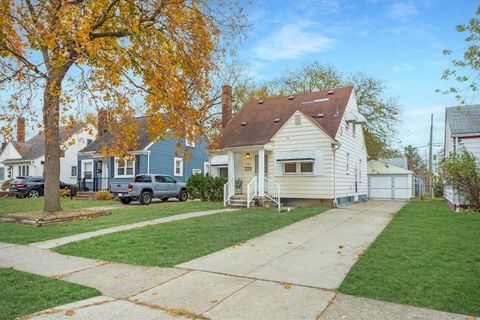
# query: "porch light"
{"type": "Point", "coordinates": [248, 155]}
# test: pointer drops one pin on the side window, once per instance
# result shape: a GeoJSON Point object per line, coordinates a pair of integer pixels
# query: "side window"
{"type": "Point", "coordinates": [168, 179]}
{"type": "Point", "coordinates": [159, 179]}
{"type": "Point", "coordinates": [143, 179]}
{"type": "Point", "coordinates": [348, 163]}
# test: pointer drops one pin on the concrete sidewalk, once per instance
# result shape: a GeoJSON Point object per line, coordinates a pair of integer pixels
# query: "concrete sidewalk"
{"type": "Point", "coordinates": [48, 244]}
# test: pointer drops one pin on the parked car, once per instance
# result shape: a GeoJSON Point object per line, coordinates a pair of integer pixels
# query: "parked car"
{"type": "Point", "coordinates": [145, 187]}
{"type": "Point", "coordinates": [31, 187]}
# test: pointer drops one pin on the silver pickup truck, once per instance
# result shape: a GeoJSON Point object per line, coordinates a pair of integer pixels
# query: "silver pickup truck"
{"type": "Point", "coordinates": [148, 186]}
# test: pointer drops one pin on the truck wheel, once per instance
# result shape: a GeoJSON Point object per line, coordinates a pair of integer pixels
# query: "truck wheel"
{"type": "Point", "coordinates": [183, 195]}
{"type": "Point", "coordinates": [145, 198]}
{"type": "Point", "coordinates": [125, 200]}
{"type": "Point", "coordinates": [165, 198]}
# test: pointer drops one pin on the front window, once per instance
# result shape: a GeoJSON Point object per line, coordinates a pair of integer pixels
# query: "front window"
{"type": "Point", "coordinates": [178, 167]}
{"type": "Point", "coordinates": [298, 168]}
{"type": "Point", "coordinates": [124, 168]}
{"type": "Point", "coordinates": [23, 170]}
{"type": "Point", "coordinates": [290, 168]}
{"type": "Point", "coordinates": [306, 167]}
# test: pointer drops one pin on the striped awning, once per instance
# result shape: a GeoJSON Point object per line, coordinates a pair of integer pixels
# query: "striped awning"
{"type": "Point", "coordinates": [219, 161]}
{"type": "Point", "coordinates": [301, 160]}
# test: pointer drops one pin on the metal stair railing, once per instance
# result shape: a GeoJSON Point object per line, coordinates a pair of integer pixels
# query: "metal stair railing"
{"type": "Point", "coordinates": [273, 193]}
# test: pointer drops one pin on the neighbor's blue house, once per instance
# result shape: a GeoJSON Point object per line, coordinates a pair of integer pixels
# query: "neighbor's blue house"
{"type": "Point", "coordinates": [97, 172]}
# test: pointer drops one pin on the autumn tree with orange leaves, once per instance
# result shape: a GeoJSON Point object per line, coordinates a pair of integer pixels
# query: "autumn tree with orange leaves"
{"type": "Point", "coordinates": [161, 52]}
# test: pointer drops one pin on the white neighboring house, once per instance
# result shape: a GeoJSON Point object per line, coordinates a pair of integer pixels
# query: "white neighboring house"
{"type": "Point", "coordinates": [462, 131]}
{"type": "Point", "coordinates": [295, 150]}
{"type": "Point", "coordinates": [28, 158]}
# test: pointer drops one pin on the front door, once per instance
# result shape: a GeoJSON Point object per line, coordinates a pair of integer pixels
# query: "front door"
{"type": "Point", "coordinates": [265, 166]}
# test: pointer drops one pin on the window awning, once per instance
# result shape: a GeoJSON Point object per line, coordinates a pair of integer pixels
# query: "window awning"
{"type": "Point", "coordinates": [219, 161]}
{"type": "Point", "coordinates": [301, 160]}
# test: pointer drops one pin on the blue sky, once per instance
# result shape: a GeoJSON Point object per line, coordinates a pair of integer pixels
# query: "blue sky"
{"type": "Point", "coordinates": [398, 41]}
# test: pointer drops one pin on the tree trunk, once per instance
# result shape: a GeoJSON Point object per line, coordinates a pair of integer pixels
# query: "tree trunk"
{"type": "Point", "coordinates": [51, 112]}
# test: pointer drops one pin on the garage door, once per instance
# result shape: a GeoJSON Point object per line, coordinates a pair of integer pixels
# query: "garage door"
{"type": "Point", "coordinates": [389, 187]}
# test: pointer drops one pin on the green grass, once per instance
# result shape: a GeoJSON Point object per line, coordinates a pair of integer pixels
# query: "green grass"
{"type": "Point", "coordinates": [15, 233]}
{"type": "Point", "coordinates": [428, 256]}
{"type": "Point", "coordinates": [172, 243]}
{"type": "Point", "coordinates": [13, 205]}
{"type": "Point", "coordinates": [23, 293]}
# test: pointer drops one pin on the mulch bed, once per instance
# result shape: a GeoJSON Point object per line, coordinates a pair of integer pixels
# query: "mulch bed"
{"type": "Point", "coordinates": [39, 219]}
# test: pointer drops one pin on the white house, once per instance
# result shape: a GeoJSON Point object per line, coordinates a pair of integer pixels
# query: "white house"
{"type": "Point", "coordinates": [22, 158]}
{"type": "Point", "coordinates": [294, 150]}
{"type": "Point", "coordinates": [390, 182]}
{"type": "Point", "coordinates": [462, 131]}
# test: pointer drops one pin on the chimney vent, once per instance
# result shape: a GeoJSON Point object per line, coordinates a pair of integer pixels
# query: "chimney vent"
{"type": "Point", "coordinates": [21, 129]}
{"type": "Point", "coordinates": [291, 97]}
{"type": "Point", "coordinates": [276, 120]}
{"type": "Point", "coordinates": [102, 122]}
{"type": "Point", "coordinates": [331, 92]}
{"type": "Point", "coordinates": [320, 115]}
{"type": "Point", "coordinates": [244, 123]}
{"type": "Point", "coordinates": [261, 101]}
{"type": "Point", "coordinates": [226, 104]}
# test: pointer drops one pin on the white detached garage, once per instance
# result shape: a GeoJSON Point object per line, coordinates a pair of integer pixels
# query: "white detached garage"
{"type": "Point", "coordinates": [386, 181]}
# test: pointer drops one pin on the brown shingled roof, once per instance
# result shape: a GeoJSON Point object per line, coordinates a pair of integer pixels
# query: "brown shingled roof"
{"type": "Point", "coordinates": [259, 117]}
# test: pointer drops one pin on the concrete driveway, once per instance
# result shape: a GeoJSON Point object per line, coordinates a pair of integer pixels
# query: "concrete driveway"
{"type": "Point", "coordinates": [316, 252]}
{"type": "Point", "coordinates": [286, 274]}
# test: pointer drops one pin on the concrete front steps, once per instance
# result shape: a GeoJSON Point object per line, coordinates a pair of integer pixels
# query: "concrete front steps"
{"type": "Point", "coordinates": [85, 196]}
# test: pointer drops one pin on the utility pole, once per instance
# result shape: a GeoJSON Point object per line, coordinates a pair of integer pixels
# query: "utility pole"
{"type": "Point", "coordinates": [430, 157]}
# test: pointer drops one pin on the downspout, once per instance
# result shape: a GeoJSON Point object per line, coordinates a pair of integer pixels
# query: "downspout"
{"type": "Point", "coordinates": [335, 147]}
{"type": "Point", "coordinates": [148, 163]}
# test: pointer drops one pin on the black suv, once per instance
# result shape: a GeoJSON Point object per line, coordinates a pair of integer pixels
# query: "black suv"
{"type": "Point", "coordinates": [30, 186]}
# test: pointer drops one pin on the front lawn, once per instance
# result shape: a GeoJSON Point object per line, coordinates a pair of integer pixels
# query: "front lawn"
{"type": "Point", "coordinates": [15, 233]}
{"type": "Point", "coordinates": [23, 293]}
{"type": "Point", "coordinates": [11, 205]}
{"type": "Point", "coordinates": [428, 256]}
{"type": "Point", "coordinates": [167, 245]}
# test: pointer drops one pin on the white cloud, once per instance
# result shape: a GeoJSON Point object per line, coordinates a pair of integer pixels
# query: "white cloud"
{"type": "Point", "coordinates": [292, 41]}
{"type": "Point", "coordinates": [401, 11]}
{"type": "Point", "coordinates": [402, 67]}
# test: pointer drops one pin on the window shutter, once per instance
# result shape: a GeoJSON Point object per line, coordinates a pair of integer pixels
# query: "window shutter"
{"type": "Point", "coordinates": [112, 167]}
{"type": "Point", "coordinates": [319, 164]}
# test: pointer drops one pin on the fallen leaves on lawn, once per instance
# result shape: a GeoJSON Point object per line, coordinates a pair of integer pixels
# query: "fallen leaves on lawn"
{"type": "Point", "coordinates": [70, 313]}
{"type": "Point", "coordinates": [56, 276]}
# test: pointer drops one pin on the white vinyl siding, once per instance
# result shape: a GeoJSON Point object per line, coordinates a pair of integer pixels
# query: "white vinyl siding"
{"type": "Point", "coordinates": [357, 162]}
{"type": "Point", "coordinates": [308, 137]}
